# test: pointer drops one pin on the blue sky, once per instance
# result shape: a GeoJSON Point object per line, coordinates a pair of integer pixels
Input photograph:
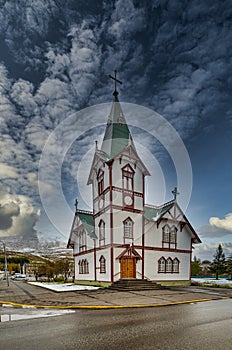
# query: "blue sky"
{"type": "Point", "coordinates": [174, 57]}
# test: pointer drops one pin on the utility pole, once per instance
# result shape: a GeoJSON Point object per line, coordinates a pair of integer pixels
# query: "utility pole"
{"type": "Point", "coordinates": [5, 259]}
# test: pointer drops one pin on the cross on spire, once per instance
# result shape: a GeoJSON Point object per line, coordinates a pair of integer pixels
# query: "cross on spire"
{"type": "Point", "coordinates": [175, 193]}
{"type": "Point", "coordinates": [115, 83]}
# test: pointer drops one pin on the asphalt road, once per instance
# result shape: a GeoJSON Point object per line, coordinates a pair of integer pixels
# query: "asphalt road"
{"type": "Point", "coordinates": [200, 326]}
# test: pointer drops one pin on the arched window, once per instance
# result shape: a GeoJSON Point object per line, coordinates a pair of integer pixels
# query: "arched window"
{"type": "Point", "coordinates": [86, 266]}
{"type": "Point", "coordinates": [128, 229]}
{"type": "Point", "coordinates": [176, 265]}
{"type": "Point", "coordinates": [169, 236]}
{"type": "Point", "coordinates": [173, 235]}
{"type": "Point", "coordinates": [169, 265]}
{"type": "Point", "coordinates": [102, 264]}
{"type": "Point", "coordinates": [101, 228]}
{"type": "Point", "coordinates": [83, 266]}
{"type": "Point", "coordinates": [166, 232]}
{"type": "Point", "coordinates": [100, 181]}
{"type": "Point", "coordinates": [128, 178]}
{"type": "Point", "coordinates": [80, 267]}
{"type": "Point", "coordinates": [162, 265]}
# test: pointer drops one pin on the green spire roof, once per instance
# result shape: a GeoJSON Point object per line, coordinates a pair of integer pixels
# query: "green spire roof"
{"type": "Point", "coordinates": [117, 135]}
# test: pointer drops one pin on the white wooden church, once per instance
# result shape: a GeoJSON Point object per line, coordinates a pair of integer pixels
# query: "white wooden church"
{"type": "Point", "coordinates": [123, 237]}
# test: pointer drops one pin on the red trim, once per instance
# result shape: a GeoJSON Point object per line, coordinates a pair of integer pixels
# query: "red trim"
{"type": "Point", "coordinates": [117, 189]}
{"type": "Point", "coordinates": [117, 207]}
{"type": "Point", "coordinates": [190, 268]}
{"type": "Point", "coordinates": [196, 237]}
{"type": "Point", "coordinates": [128, 171]}
{"type": "Point", "coordinates": [102, 267]}
{"type": "Point", "coordinates": [182, 251]}
{"type": "Point", "coordinates": [95, 261]}
{"type": "Point", "coordinates": [167, 249]}
{"type": "Point", "coordinates": [129, 252]}
{"type": "Point", "coordinates": [111, 223]}
{"type": "Point", "coordinates": [166, 263]}
{"type": "Point", "coordinates": [143, 234]}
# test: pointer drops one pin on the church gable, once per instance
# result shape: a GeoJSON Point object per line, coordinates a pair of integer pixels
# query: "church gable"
{"type": "Point", "coordinates": [83, 226]}
{"type": "Point", "coordinates": [98, 161]}
{"type": "Point", "coordinates": [129, 155]}
{"type": "Point", "coordinates": [167, 216]}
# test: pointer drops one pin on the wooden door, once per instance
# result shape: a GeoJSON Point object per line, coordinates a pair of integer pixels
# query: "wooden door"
{"type": "Point", "coordinates": [128, 268]}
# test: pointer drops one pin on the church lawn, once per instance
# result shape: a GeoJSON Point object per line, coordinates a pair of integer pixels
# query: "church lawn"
{"type": "Point", "coordinates": [93, 283]}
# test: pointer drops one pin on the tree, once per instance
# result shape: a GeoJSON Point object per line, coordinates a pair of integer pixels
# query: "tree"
{"type": "Point", "coordinates": [229, 266]}
{"type": "Point", "coordinates": [205, 267]}
{"type": "Point", "coordinates": [62, 267]}
{"type": "Point", "coordinates": [196, 266]}
{"type": "Point", "coordinates": [218, 265]}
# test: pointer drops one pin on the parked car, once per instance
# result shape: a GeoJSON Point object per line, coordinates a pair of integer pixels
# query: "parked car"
{"type": "Point", "coordinates": [19, 277]}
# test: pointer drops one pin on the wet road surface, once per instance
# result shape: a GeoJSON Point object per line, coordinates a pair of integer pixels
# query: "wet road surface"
{"type": "Point", "coordinates": [199, 326]}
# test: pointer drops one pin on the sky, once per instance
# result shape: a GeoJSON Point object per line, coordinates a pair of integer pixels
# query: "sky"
{"type": "Point", "coordinates": [174, 59]}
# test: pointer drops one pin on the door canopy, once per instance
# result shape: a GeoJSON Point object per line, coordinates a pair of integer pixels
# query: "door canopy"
{"type": "Point", "coordinates": [129, 253]}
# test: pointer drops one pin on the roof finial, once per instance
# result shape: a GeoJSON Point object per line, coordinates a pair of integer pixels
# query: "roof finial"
{"type": "Point", "coordinates": [115, 93]}
{"type": "Point", "coordinates": [175, 193]}
{"type": "Point", "coordinates": [76, 204]}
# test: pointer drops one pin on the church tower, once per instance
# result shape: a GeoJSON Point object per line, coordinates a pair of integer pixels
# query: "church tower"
{"type": "Point", "coordinates": [123, 237]}
{"type": "Point", "coordinates": [117, 178]}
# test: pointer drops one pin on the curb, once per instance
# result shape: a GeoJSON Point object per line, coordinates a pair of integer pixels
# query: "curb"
{"type": "Point", "coordinates": [100, 307]}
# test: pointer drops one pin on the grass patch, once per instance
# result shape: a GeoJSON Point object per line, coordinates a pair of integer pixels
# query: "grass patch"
{"type": "Point", "coordinates": [93, 283]}
{"type": "Point", "coordinates": [175, 283]}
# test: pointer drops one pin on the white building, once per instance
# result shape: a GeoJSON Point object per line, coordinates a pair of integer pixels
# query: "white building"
{"type": "Point", "coordinates": [124, 237]}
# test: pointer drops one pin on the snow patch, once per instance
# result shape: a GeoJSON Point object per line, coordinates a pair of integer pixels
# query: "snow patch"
{"type": "Point", "coordinates": [65, 287]}
{"type": "Point", "coordinates": [220, 281]}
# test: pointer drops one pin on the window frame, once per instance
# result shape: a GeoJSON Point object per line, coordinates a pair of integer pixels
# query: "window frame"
{"type": "Point", "coordinates": [82, 241]}
{"type": "Point", "coordinates": [176, 263]}
{"type": "Point", "coordinates": [130, 236]}
{"type": "Point", "coordinates": [169, 236]}
{"type": "Point", "coordinates": [102, 261]}
{"type": "Point", "coordinates": [100, 182]}
{"type": "Point", "coordinates": [83, 266]}
{"type": "Point", "coordinates": [169, 265]}
{"type": "Point", "coordinates": [161, 264]}
{"type": "Point", "coordinates": [128, 178]}
{"type": "Point", "coordinates": [102, 232]}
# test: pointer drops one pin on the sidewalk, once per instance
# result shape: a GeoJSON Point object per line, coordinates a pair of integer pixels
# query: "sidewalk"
{"type": "Point", "coordinates": [21, 294]}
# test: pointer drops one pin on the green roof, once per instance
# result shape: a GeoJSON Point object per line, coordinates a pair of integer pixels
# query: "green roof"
{"type": "Point", "coordinates": [117, 135]}
{"type": "Point", "coordinates": [155, 212]}
{"type": "Point", "coordinates": [87, 221]}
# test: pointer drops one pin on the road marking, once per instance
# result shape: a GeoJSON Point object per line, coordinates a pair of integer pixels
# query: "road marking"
{"type": "Point", "coordinates": [95, 307]}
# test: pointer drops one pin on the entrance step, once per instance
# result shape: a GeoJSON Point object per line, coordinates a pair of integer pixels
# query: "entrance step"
{"type": "Point", "coordinates": [127, 284]}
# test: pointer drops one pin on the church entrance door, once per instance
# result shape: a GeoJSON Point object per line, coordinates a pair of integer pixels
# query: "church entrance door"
{"type": "Point", "coordinates": [128, 267]}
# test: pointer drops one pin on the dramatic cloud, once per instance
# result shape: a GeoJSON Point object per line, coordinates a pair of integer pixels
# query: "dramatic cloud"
{"type": "Point", "coordinates": [172, 56]}
{"type": "Point", "coordinates": [8, 211]}
{"type": "Point", "coordinates": [18, 217]}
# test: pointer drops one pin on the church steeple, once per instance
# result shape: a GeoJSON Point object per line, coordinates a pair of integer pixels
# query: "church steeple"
{"type": "Point", "coordinates": [117, 135]}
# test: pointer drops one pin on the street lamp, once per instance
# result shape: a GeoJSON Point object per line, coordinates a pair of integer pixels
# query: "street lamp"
{"type": "Point", "coordinates": [6, 270]}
